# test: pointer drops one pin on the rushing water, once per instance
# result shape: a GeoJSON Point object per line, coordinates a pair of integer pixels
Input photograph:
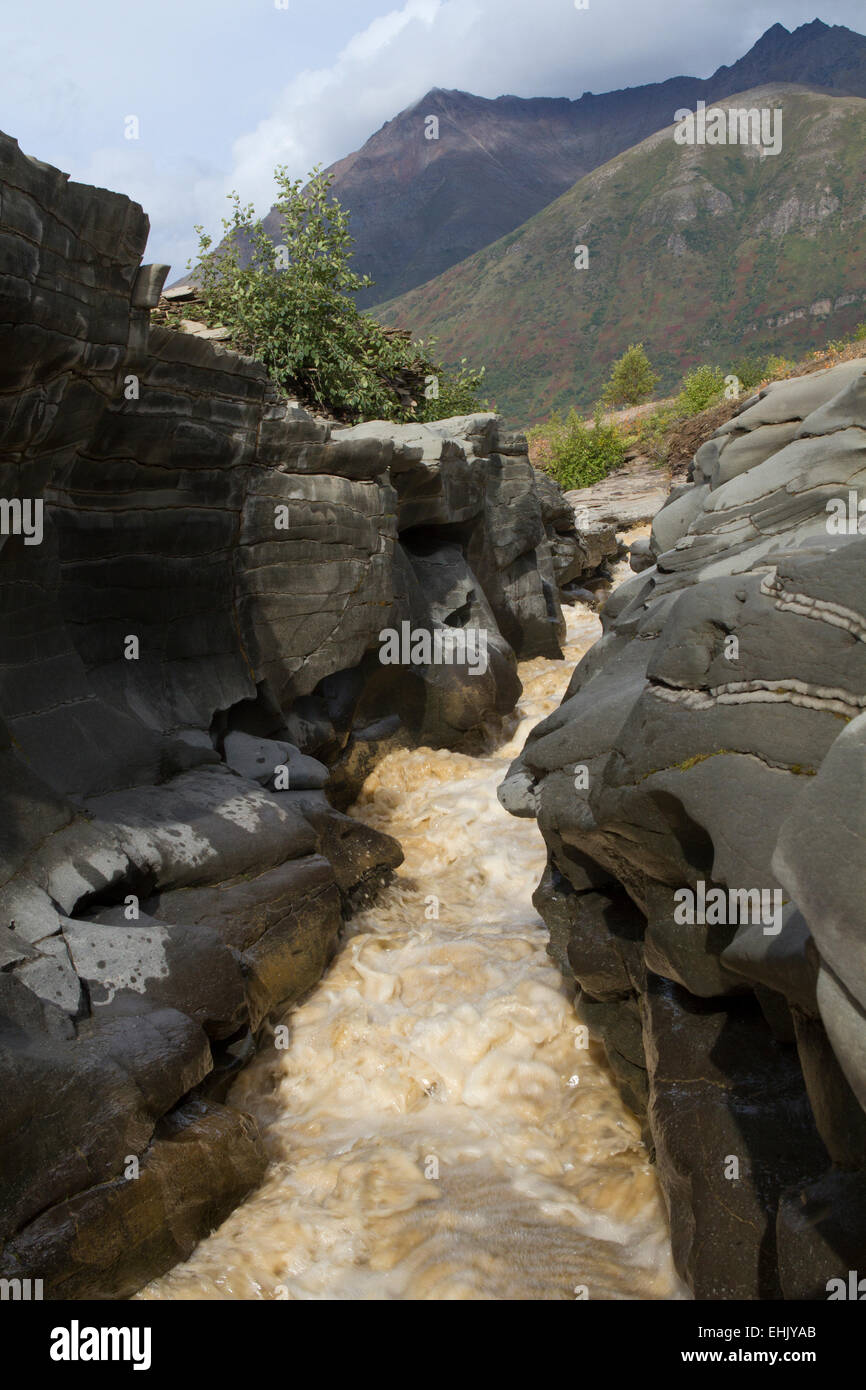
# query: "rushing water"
{"type": "Point", "coordinates": [433, 1129]}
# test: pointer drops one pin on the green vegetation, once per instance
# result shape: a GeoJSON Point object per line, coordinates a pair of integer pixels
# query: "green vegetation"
{"type": "Point", "coordinates": [290, 305]}
{"type": "Point", "coordinates": [448, 393]}
{"type": "Point", "coordinates": [632, 379]}
{"type": "Point", "coordinates": [653, 431]}
{"type": "Point", "coordinates": [840, 344]}
{"type": "Point", "coordinates": [702, 387]}
{"type": "Point", "coordinates": [777, 367]}
{"type": "Point", "coordinates": [750, 371]}
{"type": "Point", "coordinates": [719, 283]}
{"type": "Point", "coordinates": [577, 454]}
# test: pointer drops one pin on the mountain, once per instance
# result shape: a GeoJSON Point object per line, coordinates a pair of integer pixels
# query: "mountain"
{"type": "Point", "coordinates": [421, 205]}
{"type": "Point", "coordinates": [703, 253]}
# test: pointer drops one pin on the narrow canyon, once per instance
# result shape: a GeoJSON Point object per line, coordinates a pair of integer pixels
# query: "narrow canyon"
{"type": "Point", "coordinates": [326, 976]}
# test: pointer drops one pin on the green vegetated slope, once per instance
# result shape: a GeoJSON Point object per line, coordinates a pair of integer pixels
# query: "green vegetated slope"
{"type": "Point", "coordinates": [703, 253]}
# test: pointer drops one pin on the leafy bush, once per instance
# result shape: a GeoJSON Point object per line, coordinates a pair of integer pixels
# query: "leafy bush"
{"type": "Point", "coordinates": [632, 378]}
{"type": "Point", "coordinates": [749, 371]}
{"type": "Point", "coordinates": [577, 454]}
{"type": "Point", "coordinates": [701, 388]}
{"type": "Point", "coordinates": [840, 344]}
{"type": "Point", "coordinates": [290, 305]}
{"type": "Point", "coordinates": [449, 392]}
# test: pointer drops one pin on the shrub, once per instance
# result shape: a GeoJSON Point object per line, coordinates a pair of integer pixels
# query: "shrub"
{"type": "Point", "coordinates": [702, 387]}
{"type": "Point", "coordinates": [749, 371]}
{"type": "Point", "coordinates": [778, 367]}
{"type": "Point", "coordinates": [576, 453]}
{"type": "Point", "coordinates": [653, 431]}
{"type": "Point", "coordinates": [632, 378]}
{"type": "Point", "coordinates": [454, 391]}
{"type": "Point", "coordinates": [840, 344]}
{"type": "Point", "coordinates": [290, 305]}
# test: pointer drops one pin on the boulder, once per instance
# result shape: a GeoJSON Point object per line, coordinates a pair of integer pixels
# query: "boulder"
{"type": "Point", "coordinates": [271, 763]}
{"type": "Point", "coordinates": [106, 1242]}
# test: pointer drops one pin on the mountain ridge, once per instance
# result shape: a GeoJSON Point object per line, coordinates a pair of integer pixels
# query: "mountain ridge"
{"type": "Point", "coordinates": [692, 250]}
{"type": "Point", "coordinates": [419, 206]}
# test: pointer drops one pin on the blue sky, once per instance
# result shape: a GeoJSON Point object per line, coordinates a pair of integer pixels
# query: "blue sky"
{"type": "Point", "coordinates": [225, 89]}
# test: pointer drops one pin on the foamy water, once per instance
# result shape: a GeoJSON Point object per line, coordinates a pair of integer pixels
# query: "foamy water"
{"type": "Point", "coordinates": [433, 1128]}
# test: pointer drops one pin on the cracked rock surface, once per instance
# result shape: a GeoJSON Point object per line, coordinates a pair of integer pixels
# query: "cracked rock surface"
{"type": "Point", "coordinates": [721, 721]}
{"type": "Point", "coordinates": [191, 694]}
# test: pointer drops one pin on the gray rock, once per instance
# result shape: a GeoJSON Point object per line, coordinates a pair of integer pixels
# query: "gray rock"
{"type": "Point", "coordinates": [13, 949]}
{"type": "Point", "coordinates": [104, 1089]}
{"type": "Point", "coordinates": [267, 762]}
{"type": "Point", "coordinates": [52, 977]}
{"type": "Point", "coordinates": [831, 813]}
{"type": "Point", "coordinates": [845, 1022]}
{"type": "Point", "coordinates": [732, 1129]}
{"type": "Point", "coordinates": [721, 724]}
{"type": "Point", "coordinates": [134, 968]}
{"type": "Point", "coordinates": [148, 286]}
{"type": "Point", "coordinates": [640, 556]}
{"type": "Point", "coordinates": [627, 497]}
{"type": "Point", "coordinates": [821, 1236]}
{"type": "Point", "coordinates": [787, 962]}
{"type": "Point", "coordinates": [517, 795]}
{"type": "Point", "coordinates": [107, 1241]}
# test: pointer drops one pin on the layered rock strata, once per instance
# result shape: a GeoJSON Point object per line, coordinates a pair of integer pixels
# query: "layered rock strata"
{"type": "Point", "coordinates": [701, 793]}
{"type": "Point", "coordinates": [194, 579]}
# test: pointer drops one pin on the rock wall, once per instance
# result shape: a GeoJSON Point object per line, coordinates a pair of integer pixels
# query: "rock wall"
{"type": "Point", "coordinates": [194, 577]}
{"type": "Point", "coordinates": [715, 739]}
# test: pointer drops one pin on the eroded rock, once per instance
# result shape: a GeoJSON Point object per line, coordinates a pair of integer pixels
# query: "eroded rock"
{"type": "Point", "coordinates": [191, 693]}
{"type": "Point", "coordinates": [718, 724]}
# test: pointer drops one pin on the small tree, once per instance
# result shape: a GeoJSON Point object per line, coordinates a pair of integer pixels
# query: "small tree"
{"type": "Point", "coordinates": [450, 391]}
{"type": "Point", "coordinates": [290, 304]}
{"type": "Point", "coordinates": [632, 379]}
{"type": "Point", "coordinates": [750, 371]}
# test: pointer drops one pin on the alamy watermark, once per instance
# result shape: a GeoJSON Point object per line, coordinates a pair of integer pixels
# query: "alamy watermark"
{"type": "Point", "coordinates": [846, 518]}
{"type": "Point", "coordinates": [854, 1290]}
{"type": "Point", "coordinates": [77, 1343]}
{"type": "Point", "coordinates": [717, 125]}
{"type": "Point", "coordinates": [21, 1290]}
{"type": "Point", "coordinates": [703, 906]}
{"type": "Point", "coordinates": [22, 516]}
{"type": "Point", "coordinates": [443, 646]}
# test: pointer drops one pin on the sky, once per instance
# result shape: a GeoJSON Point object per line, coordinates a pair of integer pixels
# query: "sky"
{"type": "Point", "coordinates": [221, 91]}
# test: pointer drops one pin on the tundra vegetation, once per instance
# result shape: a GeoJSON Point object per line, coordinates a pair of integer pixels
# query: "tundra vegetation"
{"type": "Point", "coordinates": [577, 451]}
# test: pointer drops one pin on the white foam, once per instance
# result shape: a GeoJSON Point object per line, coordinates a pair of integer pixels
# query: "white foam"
{"type": "Point", "coordinates": [443, 1046]}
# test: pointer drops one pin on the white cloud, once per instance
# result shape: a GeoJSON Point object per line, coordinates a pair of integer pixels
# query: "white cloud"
{"type": "Point", "coordinates": [177, 194]}
{"type": "Point", "coordinates": [209, 79]}
{"type": "Point", "coordinates": [491, 48]}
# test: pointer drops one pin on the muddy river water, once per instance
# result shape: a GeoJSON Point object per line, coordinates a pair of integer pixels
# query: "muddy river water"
{"type": "Point", "coordinates": [435, 1128]}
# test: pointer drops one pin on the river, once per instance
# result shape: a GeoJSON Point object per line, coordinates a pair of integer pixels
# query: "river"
{"type": "Point", "coordinates": [434, 1128]}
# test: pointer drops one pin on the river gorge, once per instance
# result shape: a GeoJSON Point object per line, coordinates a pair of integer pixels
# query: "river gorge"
{"type": "Point", "coordinates": [329, 977]}
{"type": "Point", "coordinates": [438, 1128]}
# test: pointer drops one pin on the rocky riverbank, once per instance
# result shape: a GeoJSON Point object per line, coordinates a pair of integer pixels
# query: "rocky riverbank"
{"type": "Point", "coordinates": [700, 790]}
{"type": "Point", "coordinates": [194, 579]}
